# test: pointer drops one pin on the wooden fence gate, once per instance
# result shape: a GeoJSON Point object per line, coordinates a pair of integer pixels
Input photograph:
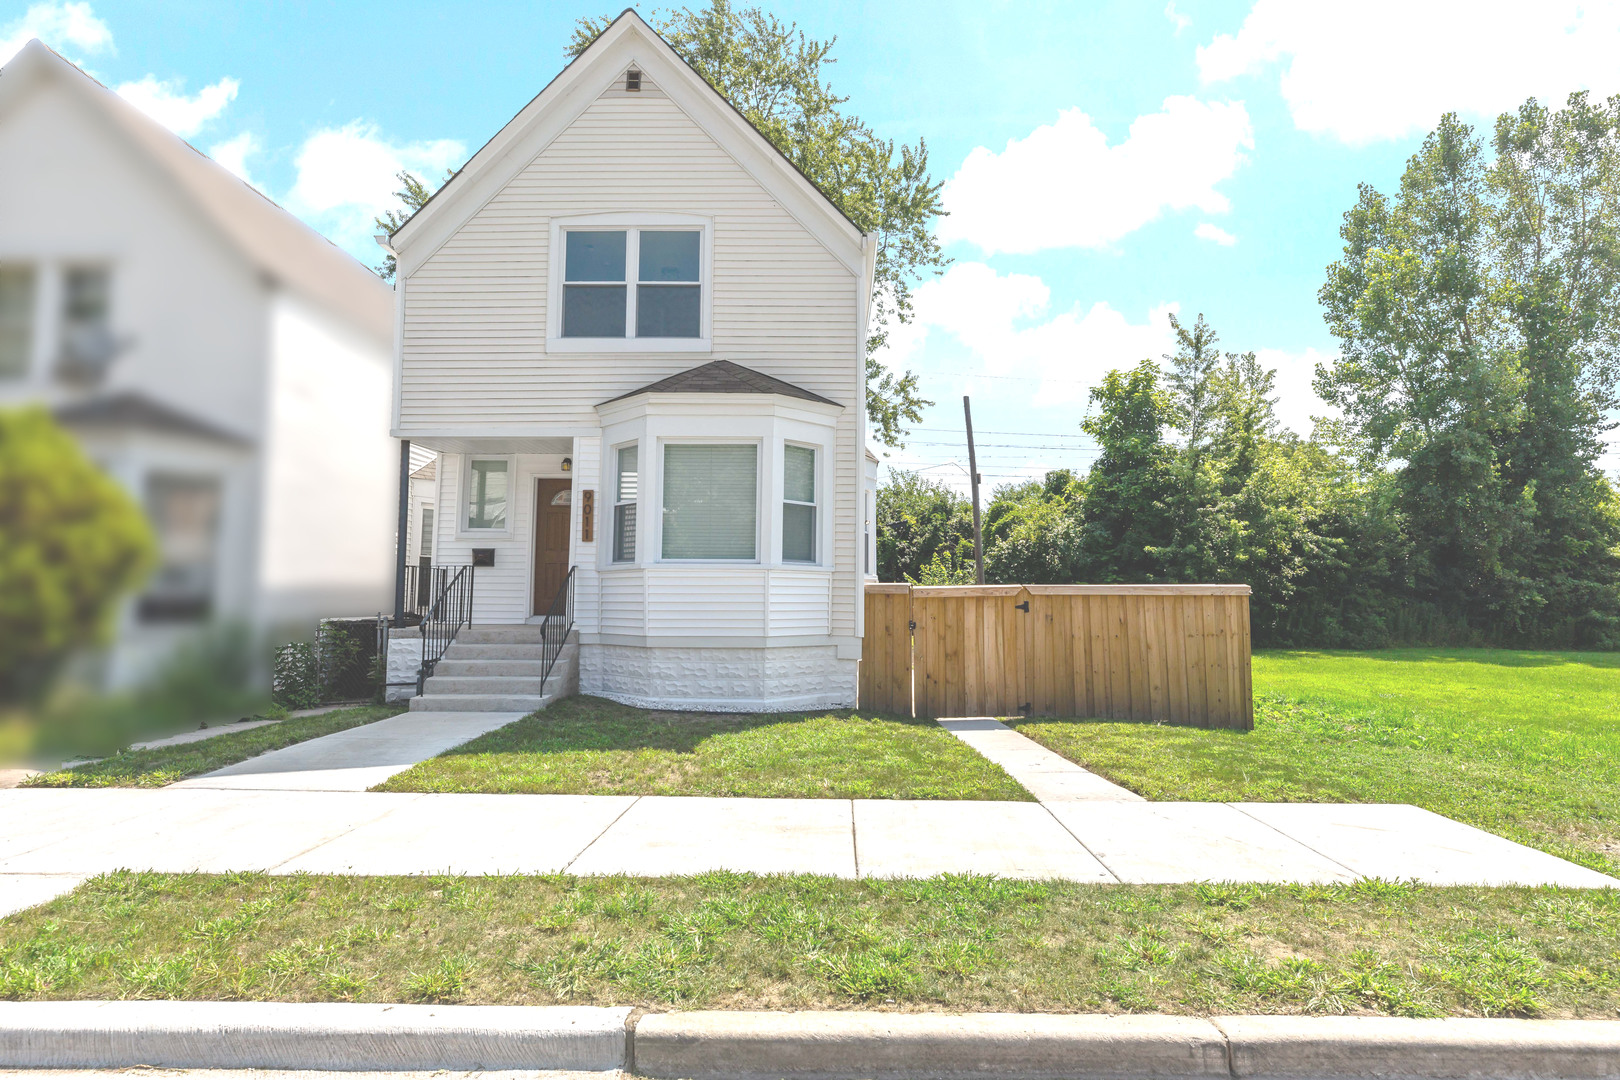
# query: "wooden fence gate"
{"type": "Point", "coordinates": [1176, 654]}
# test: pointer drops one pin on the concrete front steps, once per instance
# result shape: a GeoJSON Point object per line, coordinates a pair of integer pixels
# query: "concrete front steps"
{"type": "Point", "coordinates": [498, 669]}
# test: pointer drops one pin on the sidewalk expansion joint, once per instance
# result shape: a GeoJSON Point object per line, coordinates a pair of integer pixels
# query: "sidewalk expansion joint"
{"type": "Point", "coordinates": [581, 853]}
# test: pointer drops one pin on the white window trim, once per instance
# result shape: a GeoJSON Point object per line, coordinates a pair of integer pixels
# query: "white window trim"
{"type": "Point", "coordinates": [760, 458]}
{"type": "Point", "coordinates": [609, 526]}
{"type": "Point", "coordinates": [816, 542]}
{"type": "Point", "coordinates": [462, 531]}
{"type": "Point", "coordinates": [559, 345]}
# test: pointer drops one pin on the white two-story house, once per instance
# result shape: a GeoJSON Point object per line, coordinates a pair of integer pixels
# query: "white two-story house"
{"type": "Point", "coordinates": [634, 333]}
{"type": "Point", "coordinates": [225, 362]}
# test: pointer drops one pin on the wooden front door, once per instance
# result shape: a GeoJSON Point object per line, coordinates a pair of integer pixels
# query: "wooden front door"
{"type": "Point", "coordinates": [553, 507]}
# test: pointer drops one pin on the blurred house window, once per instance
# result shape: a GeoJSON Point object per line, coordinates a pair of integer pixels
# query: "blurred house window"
{"type": "Point", "coordinates": [16, 320]}
{"type": "Point", "coordinates": [87, 342]}
{"type": "Point", "coordinates": [184, 511]}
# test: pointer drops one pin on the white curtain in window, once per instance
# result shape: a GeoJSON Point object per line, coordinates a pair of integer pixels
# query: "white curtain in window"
{"type": "Point", "coordinates": [710, 499]}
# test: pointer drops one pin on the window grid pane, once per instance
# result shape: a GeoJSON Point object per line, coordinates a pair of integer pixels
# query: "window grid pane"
{"type": "Point", "coordinates": [799, 474]}
{"type": "Point", "coordinates": [669, 256]}
{"type": "Point", "coordinates": [710, 499]}
{"type": "Point", "coordinates": [594, 311]}
{"type": "Point", "coordinates": [669, 311]}
{"type": "Point", "coordinates": [798, 532]}
{"type": "Point", "coordinates": [594, 256]}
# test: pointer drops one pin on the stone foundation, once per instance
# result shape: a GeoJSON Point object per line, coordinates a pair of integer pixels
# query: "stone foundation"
{"type": "Point", "coordinates": [719, 680]}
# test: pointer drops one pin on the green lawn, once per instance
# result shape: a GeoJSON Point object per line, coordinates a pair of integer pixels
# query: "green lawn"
{"type": "Point", "coordinates": [588, 746]}
{"type": "Point", "coordinates": [1524, 744]}
{"type": "Point", "coordinates": [166, 764]}
{"type": "Point", "coordinates": [740, 942]}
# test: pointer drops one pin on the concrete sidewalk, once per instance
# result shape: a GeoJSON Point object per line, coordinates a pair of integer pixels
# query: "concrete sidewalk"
{"type": "Point", "coordinates": [67, 834]}
{"type": "Point", "coordinates": [356, 759]}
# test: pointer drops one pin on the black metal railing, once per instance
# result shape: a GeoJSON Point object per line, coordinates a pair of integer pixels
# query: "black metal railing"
{"type": "Point", "coordinates": [423, 582]}
{"type": "Point", "coordinates": [555, 626]}
{"type": "Point", "coordinates": [443, 617]}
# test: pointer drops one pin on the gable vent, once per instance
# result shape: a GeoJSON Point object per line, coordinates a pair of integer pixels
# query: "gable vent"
{"type": "Point", "coordinates": [632, 81]}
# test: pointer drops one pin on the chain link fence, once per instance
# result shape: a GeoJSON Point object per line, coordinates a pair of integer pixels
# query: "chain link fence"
{"type": "Point", "coordinates": [344, 663]}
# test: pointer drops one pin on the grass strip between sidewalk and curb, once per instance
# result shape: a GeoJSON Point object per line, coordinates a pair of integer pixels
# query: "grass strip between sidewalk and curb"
{"type": "Point", "coordinates": [733, 941]}
{"type": "Point", "coordinates": [591, 746]}
{"type": "Point", "coordinates": [1522, 744]}
{"type": "Point", "coordinates": [161, 765]}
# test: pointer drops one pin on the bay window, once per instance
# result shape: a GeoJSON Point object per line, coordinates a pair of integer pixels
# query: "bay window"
{"type": "Point", "coordinates": [632, 283]}
{"type": "Point", "coordinates": [710, 501]}
{"type": "Point", "coordinates": [798, 504]}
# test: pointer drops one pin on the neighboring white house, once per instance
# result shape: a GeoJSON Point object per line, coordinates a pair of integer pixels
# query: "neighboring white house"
{"type": "Point", "coordinates": [229, 365]}
{"type": "Point", "coordinates": [631, 315]}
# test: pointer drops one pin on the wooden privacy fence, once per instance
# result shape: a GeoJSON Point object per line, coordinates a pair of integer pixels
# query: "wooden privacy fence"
{"type": "Point", "coordinates": [1176, 654]}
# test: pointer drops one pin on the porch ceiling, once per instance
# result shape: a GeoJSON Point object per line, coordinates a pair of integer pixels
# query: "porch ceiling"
{"type": "Point", "coordinates": [495, 444]}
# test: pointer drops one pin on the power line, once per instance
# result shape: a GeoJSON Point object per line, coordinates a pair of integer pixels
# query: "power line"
{"type": "Point", "coordinates": [1029, 434]}
{"type": "Point", "coordinates": [1009, 446]}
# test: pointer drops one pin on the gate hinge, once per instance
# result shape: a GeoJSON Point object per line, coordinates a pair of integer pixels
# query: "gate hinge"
{"type": "Point", "coordinates": [1022, 607]}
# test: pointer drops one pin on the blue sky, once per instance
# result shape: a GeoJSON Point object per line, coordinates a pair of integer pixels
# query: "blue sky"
{"type": "Point", "coordinates": [1108, 162]}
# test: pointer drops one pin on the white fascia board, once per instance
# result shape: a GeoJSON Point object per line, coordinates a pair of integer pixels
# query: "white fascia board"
{"type": "Point", "coordinates": [629, 41]}
{"type": "Point", "coordinates": [759, 405]}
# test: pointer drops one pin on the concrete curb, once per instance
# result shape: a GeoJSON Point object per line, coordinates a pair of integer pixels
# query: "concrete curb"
{"type": "Point", "coordinates": [798, 1046]}
{"type": "Point", "coordinates": [279, 1035]}
{"type": "Point", "coordinates": [915, 1046]}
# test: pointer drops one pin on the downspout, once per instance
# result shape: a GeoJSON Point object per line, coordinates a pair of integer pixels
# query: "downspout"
{"type": "Point", "coordinates": [404, 523]}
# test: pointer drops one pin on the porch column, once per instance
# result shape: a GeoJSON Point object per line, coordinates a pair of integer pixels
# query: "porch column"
{"type": "Point", "coordinates": [404, 524]}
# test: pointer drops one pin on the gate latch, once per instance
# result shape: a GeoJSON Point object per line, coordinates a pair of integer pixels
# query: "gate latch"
{"type": "Point", "coordinates": [913, 626]}
{"type": "Point", "coordinates": [1024, 607]}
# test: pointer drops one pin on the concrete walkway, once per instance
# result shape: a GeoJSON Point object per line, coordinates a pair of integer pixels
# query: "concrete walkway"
{"type": "Point", "coordinates": [68, 834]}
{"type": "Point", "coordinates": [1049, 777]}
{"type": "Point", "coordinates": [356, 759]}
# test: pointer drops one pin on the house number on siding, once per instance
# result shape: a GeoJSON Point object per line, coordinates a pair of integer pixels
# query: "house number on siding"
{"type": "Point", "coordinates": [587, 516]}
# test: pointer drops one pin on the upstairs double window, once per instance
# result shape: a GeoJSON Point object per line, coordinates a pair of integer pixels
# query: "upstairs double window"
{"type": "Point", "coordinates": [632, 283]}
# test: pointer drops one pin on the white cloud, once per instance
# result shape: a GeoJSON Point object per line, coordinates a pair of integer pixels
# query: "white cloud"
{"type": "Point", "coordinates": [1297, 403]}
{"type": "Point", "coordinates": [233, 154]}
{"type": "Point", "coordinates": [168, 104]}
{"type": "Point", "coordinates": [1215, 233]}
{"type": "Point", "coordinates": [1064, 186]}
{"type": "Point", "coordinates": [1383, 69]}
{"type": "Point", "coordinates": [1004, 321]}
{"type": "Point", "coordinates": [346, 177]}
{"type": "Point", "coordinates": [64, 27]}
{"type": "Point", "coordinates": [1181, 21]}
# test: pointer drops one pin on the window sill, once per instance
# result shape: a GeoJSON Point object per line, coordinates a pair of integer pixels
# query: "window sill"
{"type": "Point", "coordinates": [580, 346]}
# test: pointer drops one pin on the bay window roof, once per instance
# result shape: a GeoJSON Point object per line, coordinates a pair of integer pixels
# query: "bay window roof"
{"type": "Point", "coordinates": [724, 377]}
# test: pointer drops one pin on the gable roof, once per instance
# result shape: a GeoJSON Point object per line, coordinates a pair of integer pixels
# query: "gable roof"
{"type": "Point", "coordinates": [724, 377]}
{"type": "Point", "coordinates": [131, 409]}
{"type": "Point", "coordinates": [628, 41]}
{"type": "Point", "coordinates": [274, 241]}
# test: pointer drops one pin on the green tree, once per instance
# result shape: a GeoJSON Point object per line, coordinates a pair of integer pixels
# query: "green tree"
{"type": "Point", "coordinates": [919, 522]}
{"type": "Point", "coordinates": [1126, 512]}
{"type": "Point", "coordinates": [775, 76]}
{"type": "Point", "coordinates": [72, 543]}
{"type": "Point", "coordinates": [1477, 314]}
{"type": "Point", "coordinates": [1032, 531]}
{"type": "Point", "coordinates": [412, 195]}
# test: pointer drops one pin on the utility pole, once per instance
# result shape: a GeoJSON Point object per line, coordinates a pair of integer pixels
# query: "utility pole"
{"type": "Point", "coordinates": [973, 470]}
